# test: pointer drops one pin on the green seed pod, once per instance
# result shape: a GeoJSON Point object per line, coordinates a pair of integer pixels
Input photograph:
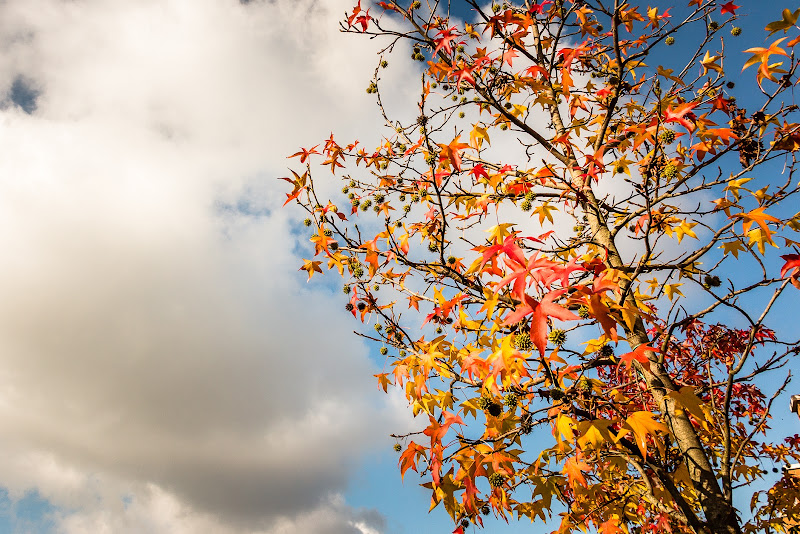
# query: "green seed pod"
{"type": "Point", "coordinates": [736, 31]}
{"type": "Point", "coordinates": [511, 400]}
{"type": "Point", "coordinates": [327, 232]}
{"type": "Point", "coordinates": [307, 222]}
{"type": "Point", "coordinates": [522, 341]}
{"type": "Point", "coordinates": [384, 351]}
{"type": "Point", "coordinates": [496, 480]}
{"type": "Point", "coordinates": [526, 205]}
{"type": "Point", "coordinates": [397, 447]}
{"type": "Point", "coordinates": [451, 260]}
{"type": "Point", "coordinates": [583, 312]}
{"type": "Point", "coordinates": [669, 41]}
{"type": "Point", "coordinates": [666, 136]}
{"type": "Point", "coordinates": [557, 337]}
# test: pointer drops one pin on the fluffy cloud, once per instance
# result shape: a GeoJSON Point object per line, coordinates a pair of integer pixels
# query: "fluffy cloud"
{"type": "Point", "coordinates": [162, 368]}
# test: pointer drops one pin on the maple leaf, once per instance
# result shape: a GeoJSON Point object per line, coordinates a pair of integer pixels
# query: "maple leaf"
{"type": "Point", "coordinates": [574, 468]}
{"type": "Point", "coordinates": [762, 55]}
{"type": "Point", "coordinates": [609, 527]}
{"type": "Point", "coordinates": [451, 153]}
{"type": "Point", "coordinates": [305, 153]}
{"type": "Point", "coordinates": [682, 115]}
{"type": "Point", "coordinates": [709, 62]}
{"type": "Point", "coordinates": [728, 7]}
{"type": "Point", "coordinates": [408, 460]}
{"type": "Point", "coordinates": [788, 20]}
{"type": "Point", "coordinates": [759, 217]}
{"type": "Point", "coordinates": [643, 424]}
{"type": "Point", "coordinates": [443, 40]}
{"type": "Point", "coordinates": [540, 311]}
{"type": "Point", "coordinates": [792, 266]}
{"type": "Point", "coordinates": [637, 354]}
{"type": "Point", "coordinates": [310, 267]}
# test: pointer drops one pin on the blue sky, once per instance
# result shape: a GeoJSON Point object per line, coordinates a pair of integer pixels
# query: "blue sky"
{"type": "Point", "coordinates": [165, 368]}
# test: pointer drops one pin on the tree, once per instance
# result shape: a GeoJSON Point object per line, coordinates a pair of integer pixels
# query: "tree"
{"type": "Point", "coordinates": [580, 240]}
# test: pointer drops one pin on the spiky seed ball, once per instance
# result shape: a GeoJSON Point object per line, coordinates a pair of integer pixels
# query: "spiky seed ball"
{"type": "Point", "coordinates": [358, 271]}
{"type": "Point", "coordinates": [584, 384]}
{"type": "Point", "coordinates": [504, 126]}
{"type": "Point", "coordinates": [307, 222]}
{"type": "Point", "coordinates": [556, 394]}
{"type": "Point", "coordinates": [438, 330]}
{"type": "Point", "coordinates": [346, 289]}
{"type": "Point", "coordinates": [384, 64]}
{"type": "Point", "coordinates": [557, 337]}
{"type": "Point", "coordinates": [530, 195]}
{"type": "Point", "coordinates": [334, 246]}
{"type": "Point", "coordinates": [328, 232]}
{"type": "Point", "coordinates": [361, 306]}
{"type": "Point", "coordinates": [376, 209]}
{"type": "Point", "coordinates": [730, 85]}
{"type": "Point", "coordinates": [736, 31]}
{"type": "Point", "coordinates": [496, 480]}
{"type": "Point", "coordinates": [495, 409]}
{"type": "Point", "coordinates": [464, 523]}
{"type": "Point", "coordinates": [379, 198]}
{"type": "Point", "coordinates": [511, 400]}
{"type": "Point", "coordinates": [415, 197]}
{"type": "Point", "coordinates": [526, 205]}
{"type": "Point", "coordinates": [451, 260]}
{"type": "Point", "coordinates": [507, 105]}
{"type": "Point", "coordinates": [713, 26]}
{"type": "Point", "coordinates": [669, 171]}
{"type": "Point", "coordinates": [348, 306]}
{"type": "Point", "coordinates": [606, 351]}
{"type": "Point", "coordinates": [355, 202]}
{"type": "Point", "coordinates": [398, 224]}
{"type": "Point", "coordinates": [713, 281]}
{"type": "Point", "coordinates": [484, 403]}
{"type": "Point", "coordinates": [583, 312]}
{"type": "Point", "coordinates": [619, 169]}
{"type": "Point", "coordinates": [415, 4]}
{"type": "Point", "coordinates": [669, 41]}
{"type": "Point", "coordinates": [523, 342]}
{"type": "Point", "coordinates": [384, 351]}
{"type": "Point", "coordinates": [495, 8]}
{"type": "Point", "coordinates": [402, 353]}
{"type": "Point", "coordinates": [599, 27]}
{"type": "Point", "coordinates": [351, 196]}
{"type": "Point", "coordinates": [485, 510]}
{"type": "Point", "coordinates": [352, 183]}
{"type": "Point", "coordinates": [433, 247]}
{"type": "Point", "coordinates": [526, 427]}
{"type": "Point", "coordinates": [407, 208]}
{"type": "Point", "coordinates": [378, 327]}
{"type": "Point", "coordinates": [397, 447]}
{"type": "Point", "coordinates": [578, 228]}
{"type": "Point", "coordinates": [376, 287]}
{"type": "Point", "coordinates": [345, 190]}
{"type": "Point", "coordinates": [461, 115]}
{"type": "Point", "coordinates": [666, 137]}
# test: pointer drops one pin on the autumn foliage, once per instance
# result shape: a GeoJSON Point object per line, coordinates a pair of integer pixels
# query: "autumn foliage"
{"type": "Point", "coordinates": [572, 258]}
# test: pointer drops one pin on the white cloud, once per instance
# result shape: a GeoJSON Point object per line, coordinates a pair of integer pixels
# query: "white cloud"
{"type": "Point", "coordinates": [155, 341]}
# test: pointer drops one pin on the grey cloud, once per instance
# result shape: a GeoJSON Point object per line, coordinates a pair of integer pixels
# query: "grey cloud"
{"type": "Point", "coordinates": [155, 337]}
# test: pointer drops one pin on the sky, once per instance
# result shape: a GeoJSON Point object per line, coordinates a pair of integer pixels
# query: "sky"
{"type": "Point", "coordinates": [165, 368]}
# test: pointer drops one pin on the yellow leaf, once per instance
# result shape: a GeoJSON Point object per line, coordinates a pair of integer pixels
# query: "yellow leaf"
{"type": "Point", "coordinates": [672, 290]}
{"type": "Point", "coordinates": [643, 424]}
{"type": "Point", "coordinates": [477, 136]}
{"type": "Point", "coordinates": [709, 62]}
{"type": "Point", "coordinates": [594, 433]}
{"type": "Point", "coordinates": [687, 398]}
{"type": "Point", "coordinates": [544, 212]}
{"type": "Point", "coordinates": [310, 267]}
{"type": "Point", "coordinates": [734, 186]}
{"type": "Point", "coordinates": [733, 247]}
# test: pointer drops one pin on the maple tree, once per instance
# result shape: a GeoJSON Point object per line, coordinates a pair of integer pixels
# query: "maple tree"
{"type": "Point", "coordinates": [572, 257]}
